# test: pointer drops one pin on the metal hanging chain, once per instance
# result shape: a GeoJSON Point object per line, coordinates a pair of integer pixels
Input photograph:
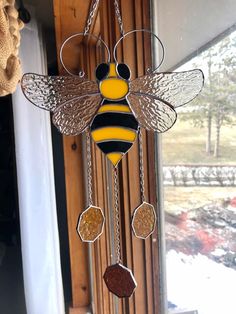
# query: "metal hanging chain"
{"type": "Point", "coordinates": [89, 168]}
{"type": "Point", "coordinates": [92, 11]}
{"type": "Point", "coordinates": [141, 166]}
{"type": "Point", "coordinates": [116, 215]}
{"type": "Point", "coordinates": [119, 18]}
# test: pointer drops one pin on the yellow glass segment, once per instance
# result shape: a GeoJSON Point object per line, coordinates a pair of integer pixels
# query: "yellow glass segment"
{"type": "Point", "coordinates": [114, 108]}
{"type": "Point", "coordinates": [114, 88]}
{"type": "Point", "coordinates": [114, 158]}
{"type": "Point", "coordinates": [112, 71]}
{"type": "Point", "coordinates": [113, 133]}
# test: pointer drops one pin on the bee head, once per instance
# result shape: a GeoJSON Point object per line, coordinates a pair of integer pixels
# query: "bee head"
{"type": "Point", "coordinates": [113, 80]}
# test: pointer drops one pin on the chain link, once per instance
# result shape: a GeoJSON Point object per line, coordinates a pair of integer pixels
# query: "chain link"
{"type": "Point", "coordinates": [89, 168]}
{"type": "Point", "coordinates": [92, 11]}
{"type": "Point", "coordinates": [117, 215]}
{"type": "Point", "coordinates": [118, 15]}
{"type": "Point", "coordinates": [91, 16]}
{"type": "Point", "coordinates": [141, 166]}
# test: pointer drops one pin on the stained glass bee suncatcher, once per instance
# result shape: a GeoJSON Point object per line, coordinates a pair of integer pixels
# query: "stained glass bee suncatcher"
{"type": "Point", "coordinates": [113, 107]}
{"type": "Point", "coordinates": [112, 110]}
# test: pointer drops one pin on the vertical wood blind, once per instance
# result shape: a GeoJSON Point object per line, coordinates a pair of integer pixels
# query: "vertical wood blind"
{"type": "Point", "coordinates": [90, 261]}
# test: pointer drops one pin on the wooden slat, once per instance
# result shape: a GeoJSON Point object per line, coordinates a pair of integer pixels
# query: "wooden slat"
{"type": "Point", "coordinates": [102, 249]}
{"type": "Point", "coordinates": [80, 310]}
{"type": "Point", "coordinates": [70, 18]}
{"type": "Point", "coordinates": [142, 19]}
{"type": "Point", "coordinates": [151, 175]}
{"type": "Point", "coordinates": [75, 204]}
{"type": "Point", "coordinates": [134, 56]}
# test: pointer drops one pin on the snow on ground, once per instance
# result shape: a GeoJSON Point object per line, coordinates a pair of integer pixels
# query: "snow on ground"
{"type": "Point", "coordinates": [198, 283]}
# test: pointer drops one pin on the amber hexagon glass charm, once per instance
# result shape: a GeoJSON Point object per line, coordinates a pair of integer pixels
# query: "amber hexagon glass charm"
{"type": "Point", "coordinates": [120, 280]}
{"type": "Point", "coordinates": [90, 224]}
{"type": "Point", "coordinates": [144, 220]}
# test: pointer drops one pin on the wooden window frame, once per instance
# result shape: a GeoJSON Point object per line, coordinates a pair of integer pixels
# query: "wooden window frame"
{"type": "Point", "coordinates": [90, 261]}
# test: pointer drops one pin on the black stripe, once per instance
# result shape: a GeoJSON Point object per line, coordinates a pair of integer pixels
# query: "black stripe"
{"type": "Point", "coordinates": [114, 119]}
{"type": "Point", "coordinates": [115, 102]}
{"type": "Point", "coordinates": [114, 146]}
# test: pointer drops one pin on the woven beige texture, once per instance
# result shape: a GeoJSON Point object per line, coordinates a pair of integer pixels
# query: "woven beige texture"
{"type": "Point", "coordinates": [10, 26]}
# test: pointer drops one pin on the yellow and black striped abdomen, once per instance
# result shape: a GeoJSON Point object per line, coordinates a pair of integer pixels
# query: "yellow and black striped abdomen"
{"type": "Point", "coordinates": [114, 129]}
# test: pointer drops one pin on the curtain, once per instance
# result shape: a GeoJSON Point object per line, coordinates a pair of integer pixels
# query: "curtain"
{"type": "Point", "coordinates": [37, 205]}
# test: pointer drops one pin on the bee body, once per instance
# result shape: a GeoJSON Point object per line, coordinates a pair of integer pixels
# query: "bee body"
{"type": "Point", "coordinates": [114, 129]}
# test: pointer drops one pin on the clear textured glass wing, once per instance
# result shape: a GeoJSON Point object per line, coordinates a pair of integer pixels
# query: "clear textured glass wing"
{"type": "Point", "coordinates": [177, 88]}
{"type": "Point", "coordinates": [152, 113]}
{"type": "Point", "coordinates": [48, 92]}
{"type": "Point", "coordinates": [74, 116]}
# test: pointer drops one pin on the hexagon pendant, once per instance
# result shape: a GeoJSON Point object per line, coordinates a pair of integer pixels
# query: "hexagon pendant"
{"type": "Point", "coordinates": [90, 224]}
{"type": "Point", "coordinates": [120, 280]}
{"type": "Point", "coordinates": [144, 220]}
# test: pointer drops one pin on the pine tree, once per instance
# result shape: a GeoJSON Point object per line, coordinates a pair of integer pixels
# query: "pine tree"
{"type": "Point", "coordinates": [216, 105]}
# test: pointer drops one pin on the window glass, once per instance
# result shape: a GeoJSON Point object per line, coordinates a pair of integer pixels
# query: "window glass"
{"type": "Point", "coordinates": [199, 177]}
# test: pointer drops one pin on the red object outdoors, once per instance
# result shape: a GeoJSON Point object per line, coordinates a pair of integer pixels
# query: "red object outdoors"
{"type": "Point", "coordinates": [233, 202]}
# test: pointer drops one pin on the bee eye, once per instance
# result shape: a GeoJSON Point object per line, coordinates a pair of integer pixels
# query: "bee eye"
{"type": "Point", "coordinates": [123, 71]}
{"type": "Point", "coordinates": [102, 71]}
